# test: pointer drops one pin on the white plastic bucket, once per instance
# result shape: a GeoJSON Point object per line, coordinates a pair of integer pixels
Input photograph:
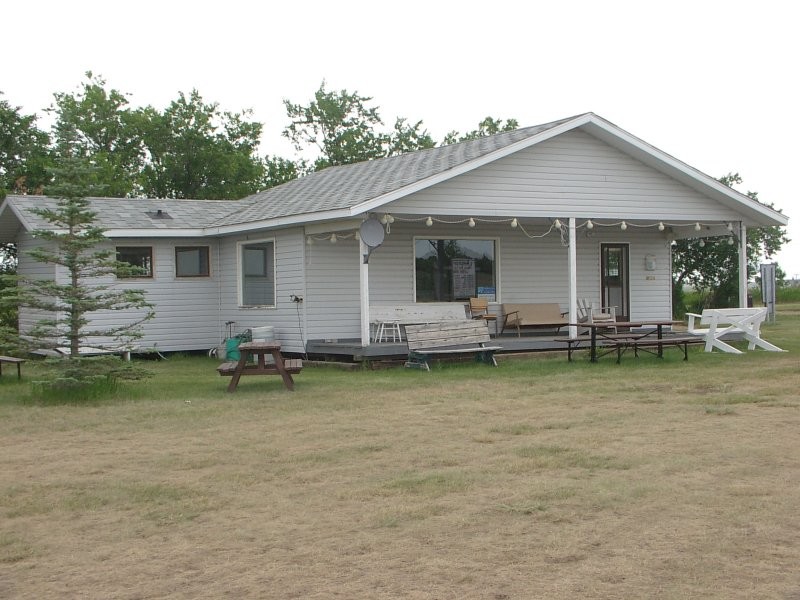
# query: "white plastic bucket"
{"type": "Point", "coordinates": [264, 334]}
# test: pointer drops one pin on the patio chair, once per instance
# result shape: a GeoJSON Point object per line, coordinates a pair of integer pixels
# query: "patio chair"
{"type": "Point", "coordinates": [589, 313]}
{"type": "Point", "coordinates": [479, 309]}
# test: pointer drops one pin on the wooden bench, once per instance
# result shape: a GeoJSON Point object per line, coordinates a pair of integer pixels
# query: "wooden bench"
{"type": "Point", "coordinates": [620, 342]}
{"type": "Point", "coordinates": [580, 342]}
{"type": "Point", "coordinates": [654, 346]}
{"type": "Point", "coordinates": [722, 321]}
{"type": "Point", "coordinates": [13, 361]}
{"type": "Point", "coordinates": [293, 366]}
{"type": "Point", "coordinates": [583, 342]}
{"type": "Point", "coordinates": [547, 315]}
{"type": "Point", "coordinates": [390, 318]}
{"type": "Point", "coordinates": [449, 337]}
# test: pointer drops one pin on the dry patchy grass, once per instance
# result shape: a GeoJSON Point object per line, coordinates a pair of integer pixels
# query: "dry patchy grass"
{"type": "Point", "coordinates": [538, 479]}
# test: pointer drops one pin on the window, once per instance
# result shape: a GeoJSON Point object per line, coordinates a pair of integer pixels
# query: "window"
{"type": "Point", "coordinates": [140, 258]}
{"type": "Point", "coordinates": [191, 261]}
{"type": "Point", "coordinates": [257, 273]}
{"type": "Point", "coordinates": [452, 270]}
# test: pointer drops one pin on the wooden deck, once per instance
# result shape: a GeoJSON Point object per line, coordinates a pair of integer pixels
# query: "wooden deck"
{"type": "Point", "coordinates": [351, 350]}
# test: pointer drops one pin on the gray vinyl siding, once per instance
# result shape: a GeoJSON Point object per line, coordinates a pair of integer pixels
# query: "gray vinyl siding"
{"type": "Point", "coordinates": [186, 308]}
{"type": "Point", "coordinates": [333, 289]}
{"type": "Point", "coordinates": [572, 175]}
{"type": "Point", "coordinates": [529, 270]}
{"type": "Point", "coordinates": [284, 317]}
{"type": "Point", "coordinates": [28, 267]}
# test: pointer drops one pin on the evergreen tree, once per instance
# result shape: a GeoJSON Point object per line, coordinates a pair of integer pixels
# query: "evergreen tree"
{"type": "Point", "coordinates": [74, 243]}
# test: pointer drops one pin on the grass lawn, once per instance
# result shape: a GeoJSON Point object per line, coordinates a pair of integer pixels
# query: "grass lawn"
{"type": "Point", "coordinates": [538, 479]}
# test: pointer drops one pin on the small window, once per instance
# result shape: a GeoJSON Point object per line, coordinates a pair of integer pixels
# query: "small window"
{"type": "Point", "coordinates": [191, 261]}
{"type": "Point", "coordinates": [257, 274]}
{"type": "Point", "coordinates": [140, 258]}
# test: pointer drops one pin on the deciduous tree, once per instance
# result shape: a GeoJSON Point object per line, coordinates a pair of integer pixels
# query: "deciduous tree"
{"type": "Point", "coordinates": [24, 153]}
{"type": "Point", "coordinates": [98, 124]}
{"type": "Point", "coordinates": [489, 126]}
{"type": "Point", "coordinates": [713, 267]}
{"type": "Point", "coordinates": [339, 125]}
{"type": "Point", "coordinates": [196, 150]}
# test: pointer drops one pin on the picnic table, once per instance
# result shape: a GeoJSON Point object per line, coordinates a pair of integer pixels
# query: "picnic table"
{"type": "Point", "coordinates": [640, 335]}
{"type": "Point", "coordinates": [722, 321]}
{"type": "Point", "coordinates": [260, 350]}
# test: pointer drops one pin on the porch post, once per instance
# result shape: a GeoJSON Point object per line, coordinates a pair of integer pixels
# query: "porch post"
{"type": "Point", "coordinates": [573, 279]}
{"type": "Point", "coordinates": [363, 281]}
{"type": "Point", "coordinates": [742, 265]}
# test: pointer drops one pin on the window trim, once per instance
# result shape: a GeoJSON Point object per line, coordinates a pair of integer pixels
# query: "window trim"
{"type": "Point", "coordinates": [239, 275]}
{"type": "Point", "coordinates": [150, 275]}
{"type": "Point", "coordinates": [494, 239]}
{"type": "Point", "coordinates": [208, 262]}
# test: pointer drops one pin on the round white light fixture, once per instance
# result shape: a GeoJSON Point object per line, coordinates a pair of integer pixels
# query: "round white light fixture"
{"type": "Point", "coordinates": [557, 224]}
{"type": "Point", "coordinates": [589, 224]}
{"type": "Point", "coordinates": [660, 226]}
{"type": "Point", "coordinates": [471, 222]}
{"type": "Point", "coordinates": [697, 227]}
{"type": "Point", "coordinates": [623, 226]}
{"type": "Point", "coordinates": [514, 223]}
{"type": "Point", "coordinates": [334, 239]}
{"type": "Point", "coordinates": [429, 221]}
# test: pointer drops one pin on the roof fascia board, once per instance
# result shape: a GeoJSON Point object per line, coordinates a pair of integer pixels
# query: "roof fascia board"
{"type": "Point", "coordinates": [674, 164]}
{"type": "Point", "coordinates": [154, 233]}
{"type": "Point", "coordinates": [7, 204]}
{"type": "Point", "coordinates": [301, 219]}
{"type": "Point", "coordinates": [328, 227]}
{"type": "Point", "coordinates": [471, 165]}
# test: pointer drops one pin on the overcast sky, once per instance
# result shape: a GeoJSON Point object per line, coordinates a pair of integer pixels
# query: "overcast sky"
{"type": "Point", "coordinates": [713, 83]}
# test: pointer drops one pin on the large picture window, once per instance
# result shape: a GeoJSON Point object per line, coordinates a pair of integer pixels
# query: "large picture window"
{"type": "Point", "coordinates": [453, 270]}
{"type": "Point", "coordinates": [138, 257]}
{"type": "Point", "coordinates": [191, 261]}
{"type": "Point", "coordinates": [257, 273]}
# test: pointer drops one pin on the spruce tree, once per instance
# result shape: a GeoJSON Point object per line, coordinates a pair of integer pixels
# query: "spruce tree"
{"type": "Point", "coordinates": [77, 246]}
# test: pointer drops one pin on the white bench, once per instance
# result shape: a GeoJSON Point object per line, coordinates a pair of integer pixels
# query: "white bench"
{"type": "Point", "coordinates": [387, 319]}
{"type": "Point", "coordinates": [722, 321]}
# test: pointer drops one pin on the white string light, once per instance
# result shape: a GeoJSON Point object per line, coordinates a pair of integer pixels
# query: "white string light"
{"type": "Point", "coordinates": [387, 219]}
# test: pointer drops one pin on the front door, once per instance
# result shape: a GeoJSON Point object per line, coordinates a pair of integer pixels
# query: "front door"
{"type": "Point", "coordinates": [614, 279]}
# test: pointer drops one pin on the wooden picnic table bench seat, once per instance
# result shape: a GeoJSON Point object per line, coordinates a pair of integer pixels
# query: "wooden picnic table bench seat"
{"type": "Point", "coordinates": [14, 361]}
{"type": "Point", "coordinates": [649, 344]}
{"type": "Point", "coordinates": [544, 316]}
{"type": "Point", "coordinates": [620, 342]}
{"type": "Point", "coordinates": [293, 366]}
{"type": "Point", "coordinates": [449, 337]}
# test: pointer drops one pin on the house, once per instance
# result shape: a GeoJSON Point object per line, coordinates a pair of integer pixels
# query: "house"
{"type": "Point", "coordinates": [576, 208]}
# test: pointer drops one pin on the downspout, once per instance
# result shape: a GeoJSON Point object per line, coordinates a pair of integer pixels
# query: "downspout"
{"type": "Point", "coordinates": [573, 279]}
{"type": "Point", "coordinates": [742, 265]}
{"type": "Point", "coordinates": [218, 277]}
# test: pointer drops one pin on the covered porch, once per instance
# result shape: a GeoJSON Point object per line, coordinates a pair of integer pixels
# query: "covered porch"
{"type": "Point", "coordinates": [621, 263]}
